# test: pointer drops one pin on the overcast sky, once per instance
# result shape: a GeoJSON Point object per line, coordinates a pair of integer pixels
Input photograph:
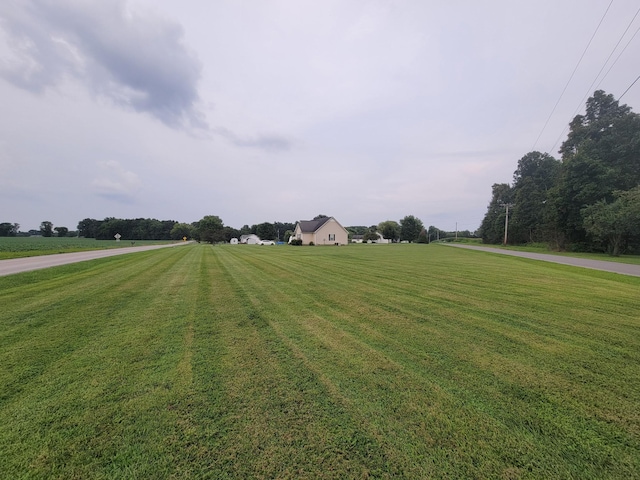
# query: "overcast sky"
{"type": "Point", "coordinates": [261, 111]}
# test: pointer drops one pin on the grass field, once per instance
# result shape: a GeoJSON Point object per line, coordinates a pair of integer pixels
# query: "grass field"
{"type": "Point", "coordinates": [414, 361]}
{"type": "Point", "coordinates": [20, 247]}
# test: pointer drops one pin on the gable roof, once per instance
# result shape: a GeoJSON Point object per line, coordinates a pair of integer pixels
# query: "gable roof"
{"type": "Point", "coordinates": [310, 226]}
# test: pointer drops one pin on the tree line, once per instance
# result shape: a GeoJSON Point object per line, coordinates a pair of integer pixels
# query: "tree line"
{"type": "Point", "coordinates": [211, 229]}
{"type": "Point", "coordinates": [407, 229]}
{"type": "Point", "coordinates": [588, 200]}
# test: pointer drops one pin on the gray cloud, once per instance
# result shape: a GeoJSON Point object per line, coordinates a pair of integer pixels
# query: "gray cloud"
{"type": "Point", "coordinates": [139, 62]}
{"type": "Point", "coordinates": [271, 143]}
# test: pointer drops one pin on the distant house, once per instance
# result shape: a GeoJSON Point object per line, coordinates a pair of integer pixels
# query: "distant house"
{"type": "Point", "coordinates": [322, 231]}
{"type": "Point", "coordinates": [381, 239]}
{"type": "Point", "coordinates": [360, 239]}
{"type": "Point", "coordinates": [250, 239]}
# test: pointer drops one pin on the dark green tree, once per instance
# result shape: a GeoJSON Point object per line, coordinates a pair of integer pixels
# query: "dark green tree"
{"type": "Point", "coordinates": [181, 230]}
{"type": "Point", "coordinates": [410, 228]}
{"type": "Point", "coordinates": [390, 229]}
{"type": "Point", "coordinates": [601, 155]}
{"type": "Point", "coordinates": [229, 232]}
{"type": "Point", "coordinates": [210, 229]}
{"type": "Point", "coordinates": [492, 227]}
{"type": "Point", "coordinates": [536, 175]}
{"type": "Point", "coordinates": [266, 231]}
{"type": "Point", "coordinates": [46, 229]}
{"type": "Point", "coordinates": [357, 230]}
{"type": "Point", "coordinates": [434, 233]}
{"type": "Point", "coordinates": [9, 229]}
{"type": "Point", "coordinates": [62, 231]}
{"type": "Point", "coordinates": [612, 223]}
{"type": "Point", "coordinates": [282, 228]}
{"type": "Point", "coordinates": [370, 235]}
{"type": "Point", "coordinates": [88, 227]}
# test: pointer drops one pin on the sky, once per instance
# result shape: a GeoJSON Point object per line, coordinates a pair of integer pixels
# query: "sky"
{"type": "Point", "coordinates": [263, 111]}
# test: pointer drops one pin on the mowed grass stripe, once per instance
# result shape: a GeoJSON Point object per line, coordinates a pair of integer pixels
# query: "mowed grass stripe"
{"type": "Point", "coordinates": [281, 362]}
{"type": "Point", "coordinates": [468, 362]}
{"type": "Point", "coordinates": [107, 371]}
{"type": "Point", "coordinates": [284, 422]}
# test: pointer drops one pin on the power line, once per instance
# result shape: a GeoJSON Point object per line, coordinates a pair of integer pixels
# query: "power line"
{"type": "Point", "coordinates": [634, 82]}
{"type": "Point", "coordinates": [571, 77]}
{"type": "Point", "coordinates": [595, 79]}
{"type": "Point", "coordinates": [618, 57]}
{"type": "Point", "coordinates": [612, 52]}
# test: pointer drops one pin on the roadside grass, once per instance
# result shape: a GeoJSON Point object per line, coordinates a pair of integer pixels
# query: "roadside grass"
{"type": "Point", "coordinates": [243, 362]}
{"type": "Point", "coordinates": [20, 247]}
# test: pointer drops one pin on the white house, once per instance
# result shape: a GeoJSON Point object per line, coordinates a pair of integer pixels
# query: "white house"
{"type": "Point", "coordinates": [250, 239]}
{"type": "Point", "coordinates": [322, 231]}
{"type": "Point", "coordinates": [381, 239]}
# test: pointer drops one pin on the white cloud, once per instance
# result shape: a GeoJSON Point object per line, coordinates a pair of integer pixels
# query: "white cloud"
{"type": "Point", "coordinates": [117, 183]}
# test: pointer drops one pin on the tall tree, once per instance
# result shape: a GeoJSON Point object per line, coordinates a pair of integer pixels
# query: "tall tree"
{"type": "Point", "coordinates": [266, 231]}
{"type": "Point", "coordinates": [62, 231]}
{"type": "Point", "coordinates": [390, 229]}
{"type": "Point", "coordinates": [9, 229]}
{"type": "Point", "coordinates": [533, 180]}
{"type": "Point", "coordinates": [181, 230]}
{"type": "Point", "coordinates": [229, 232]}
{"type": "Point", "coordinates": [88, 227]}
{"type": "Point", "coordinates": [614, 222]}
{"type": "Point", "coordinates": [434, 233]}
{"type": "Point", "coordinates": [601, 155]}
{"type": "Point", "coordinates": [46, 229]}
{"type": "Point", "coordinates": [410, 228]}
{"type": "Point", "coordinates": [493, 223]}
{"type": "Point", "coordinates": [210, 229]}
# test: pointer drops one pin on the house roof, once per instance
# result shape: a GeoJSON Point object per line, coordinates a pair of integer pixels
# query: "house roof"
{"type": "Point", "coordinates": [310, 226]}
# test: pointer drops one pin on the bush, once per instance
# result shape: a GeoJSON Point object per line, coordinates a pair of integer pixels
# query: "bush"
{"type": "Point", "coordinates": [311, 244]}
{"type": "Point", "coordinates": [296, 241]}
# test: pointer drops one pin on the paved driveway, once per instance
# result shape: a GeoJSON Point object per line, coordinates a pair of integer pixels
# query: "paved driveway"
{"type": "Point", "coordinates": [615, 267]}
{"type": "Point", "coordinates": [18, 265]}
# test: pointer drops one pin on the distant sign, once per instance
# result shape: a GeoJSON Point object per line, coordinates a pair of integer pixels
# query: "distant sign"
{"type": "Point", "coordinates": [117, 236]}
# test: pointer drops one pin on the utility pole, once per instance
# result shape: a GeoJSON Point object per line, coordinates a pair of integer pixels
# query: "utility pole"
{"type": "Point", "coordinates": [506, 220]}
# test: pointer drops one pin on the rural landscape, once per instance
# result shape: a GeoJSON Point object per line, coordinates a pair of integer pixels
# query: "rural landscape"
{"type": "Point", "coordinates": [365, 361]}
{"type": "Point", "coordinates": [395, 355]}
{"type": "Point", "coordinates": [283, 240]}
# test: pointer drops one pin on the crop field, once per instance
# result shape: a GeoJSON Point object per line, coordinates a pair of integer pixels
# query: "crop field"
{"type": "Point", "coordinates": [388, 361]}
{"type": "Point", "coordinates": [19, 247]}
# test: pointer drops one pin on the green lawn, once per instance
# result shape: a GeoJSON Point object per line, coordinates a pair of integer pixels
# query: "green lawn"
{"type": "Point", "coordinates": [20, 247]}
{"type": "Point", "coordinates": [411, 361]}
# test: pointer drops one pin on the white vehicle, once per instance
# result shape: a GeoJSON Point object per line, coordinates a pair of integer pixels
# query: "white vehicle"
{"type": "Point", "coordinates": [266, 242]}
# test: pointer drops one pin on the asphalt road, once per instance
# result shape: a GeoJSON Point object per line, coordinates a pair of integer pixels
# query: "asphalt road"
{"type": "Point", "coordinates": [614, 267]}
{"type": "Point", "coordinates": [18, 265]}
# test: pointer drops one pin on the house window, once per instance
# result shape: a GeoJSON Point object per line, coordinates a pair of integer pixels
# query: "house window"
{"type": "Point", "coordinates": [332, 237]}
